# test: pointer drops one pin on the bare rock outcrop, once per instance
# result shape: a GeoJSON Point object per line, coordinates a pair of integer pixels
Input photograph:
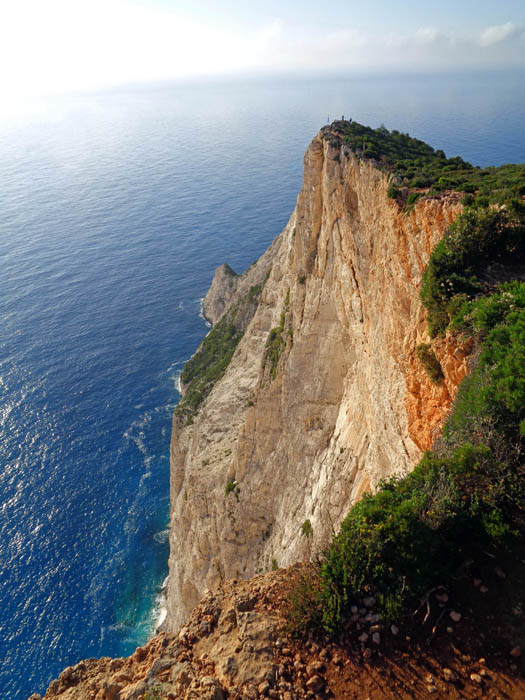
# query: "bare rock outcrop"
{"type": "Point", "coordinates": [235, 645]}
{"type": "Point", "coordinates": [325, 394]}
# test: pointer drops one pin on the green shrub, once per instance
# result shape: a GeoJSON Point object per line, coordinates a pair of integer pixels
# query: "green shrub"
{"type": "Point", "coordinates": [393, 192]}
{"type": "Point", "coordinates": [208, 365]}
{"type": "Point", "coordinates": [274, 346]}
{"type": "Point", "coordinates": [430, 363]}
{"type": "Point", "coordinates": [305, 604]}
{"type": "Point", "coordinates": [475, 239]}
{"type": "Point", "coordinates": [275, 343]}
{"type": "Point", "coordinates": [414, 532]}
{"type": "Point", "coordinates": [254, 292]}
{"type": "Point", "coordinates": [415, 164]}
{"type": "Point", "coordinates": [412, 199]}
{"type": "Point", "coordinates": [306, 528]}
{"type": "Point", "coordinates": [232, 487]}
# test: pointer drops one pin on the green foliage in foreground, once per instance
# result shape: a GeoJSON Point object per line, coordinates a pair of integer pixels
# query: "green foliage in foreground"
{"type": "Point", "coordinates": [466, 496]}
{"type": "Point", "coordinates": [455, 272]}
{"type": "Point", "coordinates": [207, 365]}
{"type": "Point", "coordinates": [416, 165]}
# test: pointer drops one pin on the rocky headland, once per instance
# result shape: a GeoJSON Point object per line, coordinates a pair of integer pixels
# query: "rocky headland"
{"type": "Point", "coordinates": [318, 380]}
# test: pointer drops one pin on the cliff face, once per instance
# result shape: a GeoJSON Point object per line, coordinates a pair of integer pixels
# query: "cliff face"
{"type": "Point", "coordinates": [325, 394]}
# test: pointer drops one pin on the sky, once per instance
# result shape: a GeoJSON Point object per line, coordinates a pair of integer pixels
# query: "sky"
{"type": "Point", "coordinates": [62, 45]}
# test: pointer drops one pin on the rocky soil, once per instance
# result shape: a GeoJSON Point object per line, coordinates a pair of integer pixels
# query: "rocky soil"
{"type": "Point", "coordinates": [464, 642]}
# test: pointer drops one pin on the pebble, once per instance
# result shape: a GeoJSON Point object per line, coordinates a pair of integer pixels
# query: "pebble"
{"type": "Point", "coordinates": [449, 675]}
{"type": "Point", "coordinates": [516, 652]}
{"type": "Point", "coordinates": [363, 637]}
{"type": "Point", "coordinates": [315, 668]}
{"type": "Point", "coordinates": [476, 582]}
{"type": "Point", "coordinates": [263, 687]}
{"type": "Point", "coordinates": [476, 678]}
{"type": "Point", "coordinates": [431, 689]}
{"type": "Point", "coordinates": [483, 589]}
{"type": "Point", "coordinates": [369, 602]}
{"type": "Point", "coordinates": [500, 573]}
{"type": "Point", "coordinates": [376, 638]}
{"type": "Point", "coordinates": [442, 597]}
{"type": "Point", "coordinates": [315, 683]}
{"type": "Point", "coordinates": [455, 616]}
{"type": "Point", "coordinates": [394, 629]}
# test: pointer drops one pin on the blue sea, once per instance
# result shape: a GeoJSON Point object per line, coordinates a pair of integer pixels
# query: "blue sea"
{"type": "Point", "coordinates": [115, 209]}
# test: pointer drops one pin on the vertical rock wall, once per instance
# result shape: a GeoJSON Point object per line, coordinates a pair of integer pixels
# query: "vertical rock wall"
{"type": "Point", "coordinates": [344, 402]}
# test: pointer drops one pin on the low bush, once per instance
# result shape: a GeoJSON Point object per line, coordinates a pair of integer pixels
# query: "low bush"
{"type": "Point", "coordinates": [430, 363]}
{"type": "Point", "coordinates": [207, 366]}
{"type": "Point", "coordinates": [254, 292]}
{"type": "Point", "coordinates": [232, 487]}
{"type": "Point", "coordinates": [306, 528]}
{"type": "Point", "coordinates": [275, 343]}
{"type": "Point", "coordinates": [415, 164]}
{"type": "Point", "coordinates": [477, 238]}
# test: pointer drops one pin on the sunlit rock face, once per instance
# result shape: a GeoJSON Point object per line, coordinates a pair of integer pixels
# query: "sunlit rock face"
{"type": "Point", "coordinates": [342, 401]}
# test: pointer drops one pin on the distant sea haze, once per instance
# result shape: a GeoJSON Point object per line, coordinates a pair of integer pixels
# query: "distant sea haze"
{"type": "Point", "coordinates": [115, 209]}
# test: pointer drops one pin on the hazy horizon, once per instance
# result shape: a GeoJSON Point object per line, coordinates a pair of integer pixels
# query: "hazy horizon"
{"type": "Point", "coordinates": [73, 45]}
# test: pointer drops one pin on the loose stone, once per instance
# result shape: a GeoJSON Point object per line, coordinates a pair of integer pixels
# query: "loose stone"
{"type": "Point", "coordinates": [449, 675]}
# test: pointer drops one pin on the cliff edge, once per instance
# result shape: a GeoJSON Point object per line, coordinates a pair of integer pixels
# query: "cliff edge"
{"type": "Point", "coordinates": [324, 395]}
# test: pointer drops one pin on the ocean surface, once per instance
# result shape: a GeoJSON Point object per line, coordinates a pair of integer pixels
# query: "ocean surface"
{"type": "Point", "coordinates": [115, 209]}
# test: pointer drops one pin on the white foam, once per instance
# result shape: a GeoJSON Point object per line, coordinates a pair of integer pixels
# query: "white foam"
{"type": "Point", "coordinates": [160, 620]}
{"type": "Point", "coordinates": [161, 537]}
{"type": "Point", "coordinates": [201, 312]}
{"type": "Point", "coordinates": [161, 611]}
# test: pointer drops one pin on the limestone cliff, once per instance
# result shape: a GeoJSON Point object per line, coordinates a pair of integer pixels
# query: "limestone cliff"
{"type": "Point", "coordinates": [325, 394]}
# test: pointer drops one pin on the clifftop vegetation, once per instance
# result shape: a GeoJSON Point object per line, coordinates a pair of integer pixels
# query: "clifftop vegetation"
{"type": "Point", "coordinates": [415, 165]}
